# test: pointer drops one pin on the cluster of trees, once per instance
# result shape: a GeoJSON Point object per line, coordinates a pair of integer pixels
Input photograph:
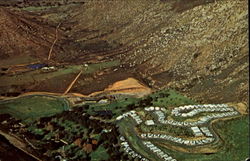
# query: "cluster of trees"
{"type": "Point", "coordinates": [74, 136]}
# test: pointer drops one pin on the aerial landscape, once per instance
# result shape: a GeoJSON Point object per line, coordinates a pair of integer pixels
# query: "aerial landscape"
{"type": "Point", "coordinates": [120, 80]}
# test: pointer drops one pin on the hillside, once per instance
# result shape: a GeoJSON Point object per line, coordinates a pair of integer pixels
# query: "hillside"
{"type": "Point", "coordinates": [124, 80]}
{"type": "Point", "coordinates": [198, 47]}
{"type": "Point", "coordinates": [22, 34]}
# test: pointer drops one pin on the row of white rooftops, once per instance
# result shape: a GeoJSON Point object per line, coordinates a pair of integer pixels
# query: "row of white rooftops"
{"type": "Point", "coordinates": [177, 139]}
{"type": "Point", "coordinates": [190, 107]}
{"type": "Point", "coordinates": [196, 131]}
{"type": "Point", "coordinates": [201, 106]}
{"type": "Point", "coordinates": [158, 151]}
{"type": "Point", "coordinates": [154, 108]}
{"type": "Point", "coordinates": [206, 131]}
{"type": "Point", "coordinates": [195, 109]}
{"type": "Point", "coordinates": [161, 116]}
{"type": "Point", "coordinates": [161, 119]}
{"type": "Point", "coordinates": [201, 120]}
{"type": "Point", "coordinates": [207, 118]}
{"type": "Point", "coordinates": [132, 114]}
{"type": "Point", "coordinates": [187, 107]}
{"type": "Point", "coordinates": [130, 151]}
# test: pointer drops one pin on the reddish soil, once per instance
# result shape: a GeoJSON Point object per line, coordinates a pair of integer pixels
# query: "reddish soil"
{"type": "Point", "coordinates": [57, 84]}
{"type": "Point", "coordinates": [22, 34]}
{"type": "Point", "coordinates": [99, 83]}
{"type": "Point", "coordinates": [127, 86]}
{"type": "Point", "coordinates": [86, 84]}
{"type": "Point", "coordinates": [169, 50]}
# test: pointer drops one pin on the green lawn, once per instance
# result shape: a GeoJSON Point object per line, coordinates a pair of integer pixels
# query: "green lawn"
{"type": "Point", "coordinates": [159, 99]}
{"type": "Point", "coordinates": [94, 67]}
{"type": "Point", "coordinates": [33, 107]}
{"type": "Point", "coordinates": [76, 69]}
{"type": "Point", "coordinates": [28, 77]}
{"type": "Point", "coordinates": [99, 154]}
{"type": "Point", "coordinates": [235, 134]}
{"type": "Point", "coordinates": [169, 97]}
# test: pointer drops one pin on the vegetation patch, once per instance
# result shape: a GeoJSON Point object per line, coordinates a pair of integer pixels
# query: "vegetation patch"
{"type": "Point", "coordinates": [33, 107]}
{"type": "Point", "coordinates": [99, 154]}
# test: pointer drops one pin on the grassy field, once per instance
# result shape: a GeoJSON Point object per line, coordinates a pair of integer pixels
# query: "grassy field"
{"type": "Point", "coordinates": [164, 98]}
{"type": "Point", "coordinates": [29, 77]}
{"type": "Point", "coordinates": [94, 67]}
{"type": "Point", "coordinates": [168, 98]}
{"type": "Point", "coordinates": [77, 68]}
{"type": "Point", "coordinates": [99, 154]}
{"type": "Point", "coordinates": [235, 134]}
{"type": "Point", "coordinates": [33, 107]}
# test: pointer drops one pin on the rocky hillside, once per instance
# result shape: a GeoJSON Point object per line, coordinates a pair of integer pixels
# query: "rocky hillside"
{"type": "Point", "coordinates": [198, 47]}
{"type": "Point", "coordinates": [24, 34]}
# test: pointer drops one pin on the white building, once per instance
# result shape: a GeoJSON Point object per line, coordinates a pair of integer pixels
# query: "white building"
{"type": "Point", "coordinates": [196, 131]}
{"type": "Point", "coordinates": [157, 108]}
{"type": "Point", "coordinates": [149, 122]}
{"type": "Point", "coordinates": [119, 117]}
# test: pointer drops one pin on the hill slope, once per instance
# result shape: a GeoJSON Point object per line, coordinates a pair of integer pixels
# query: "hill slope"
{"type": "Point", "coordinates": [196, 47]}
{"type": "Point", "coordinates": [23, 34]}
